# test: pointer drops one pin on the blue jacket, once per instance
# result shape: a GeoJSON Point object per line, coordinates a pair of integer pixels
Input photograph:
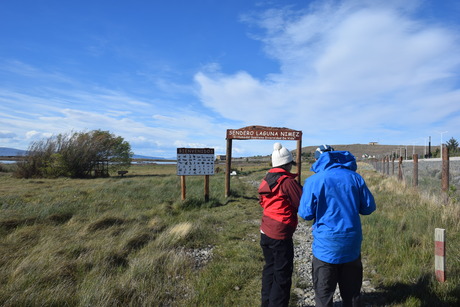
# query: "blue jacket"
{"type": "Point", "coordinates": [334, 197]}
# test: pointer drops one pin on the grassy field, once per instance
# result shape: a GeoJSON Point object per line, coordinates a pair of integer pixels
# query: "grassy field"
{"type": "Point", "coordinates": [131, 241]}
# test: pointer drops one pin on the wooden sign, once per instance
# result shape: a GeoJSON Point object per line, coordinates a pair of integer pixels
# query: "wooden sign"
{"type": "Point", "coordinates": [261, 133]}
{"type": "Point", "coordinates": [264, 133]}
{"type": "Point", "coordinates": [195, 161]}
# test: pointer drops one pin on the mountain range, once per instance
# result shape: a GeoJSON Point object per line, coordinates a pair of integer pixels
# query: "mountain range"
{"type": "Point", "coordinates": [13, 152]}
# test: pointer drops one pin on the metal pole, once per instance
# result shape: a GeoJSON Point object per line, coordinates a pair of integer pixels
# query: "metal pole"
{"type": "Point", "coordinates": [441, 141]}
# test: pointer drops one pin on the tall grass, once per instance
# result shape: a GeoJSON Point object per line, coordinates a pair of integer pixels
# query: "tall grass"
{"type": "Point", "coordinates": [131, 241]}
{"type": "Point", "coordinates": [399, 245]}
{"type": "Point", "coordinates": [126, 241]}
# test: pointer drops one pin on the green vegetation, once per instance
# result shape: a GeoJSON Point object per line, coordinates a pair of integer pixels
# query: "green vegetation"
{"type": "Point", "coordinates": [399, 245]}
{"type": "Point", "coordinates": [452, 145]}
{"type": "Point", "coordinates": [75, 155]}
{"type": "Point", "coordinates": [131, 241]}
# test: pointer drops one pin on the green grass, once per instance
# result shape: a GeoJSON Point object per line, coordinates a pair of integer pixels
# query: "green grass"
{"type": "Point", "coordinates": [399, 245]}
{"type": "Point", "coordinates": [128, 241]}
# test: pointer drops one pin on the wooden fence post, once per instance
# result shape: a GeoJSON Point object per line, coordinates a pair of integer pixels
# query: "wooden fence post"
{"type": "Point", "coordinates": [445, 168]}
{"type": "Point", "coordinates": [440, 254]}
{"type": "Point", "coordinates": [393, 165]}
{"type": "Point", "coordinates": [415, 175]}
{"type": "Point", "coordinates": [388, 165]}
{"type": "Point", "coordinates": [400, 174]}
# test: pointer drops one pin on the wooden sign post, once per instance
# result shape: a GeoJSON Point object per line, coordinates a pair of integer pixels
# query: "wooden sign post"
{"type": "Point", "coordinates": [195, 162]}
{"type": "Point", "coordinates": [261, 133]}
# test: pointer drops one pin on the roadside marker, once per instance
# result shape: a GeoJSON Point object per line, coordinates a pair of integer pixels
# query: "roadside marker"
{"type": "Point", "coordinates": [440, 254]}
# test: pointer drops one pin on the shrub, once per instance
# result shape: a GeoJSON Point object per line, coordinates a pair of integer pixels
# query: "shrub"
{"type": "Point", "coordinates": [76, 155]}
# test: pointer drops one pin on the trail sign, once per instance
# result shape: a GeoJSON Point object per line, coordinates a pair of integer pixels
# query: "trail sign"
{"type": "Point", "coordinates": [264, 133]}
{"type": "Point", "coordinates": [261, 133]}
{"type": "Point", "coordinates": [195, 161]}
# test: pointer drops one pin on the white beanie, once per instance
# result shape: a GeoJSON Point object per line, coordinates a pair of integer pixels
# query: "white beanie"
{"type": "Point", "coordinates": [280, 155]}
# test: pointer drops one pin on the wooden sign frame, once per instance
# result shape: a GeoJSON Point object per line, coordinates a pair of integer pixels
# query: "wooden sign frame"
{"type": "Point", "coordinates": [261, 133]}
{"type": "Point", "coordinates": [195, 162]}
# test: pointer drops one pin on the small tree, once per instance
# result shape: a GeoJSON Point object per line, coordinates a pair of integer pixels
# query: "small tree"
{"type": "Point", "coordinates": [75, 155]}
{"type": "Point", "coordinates": [452, 144]}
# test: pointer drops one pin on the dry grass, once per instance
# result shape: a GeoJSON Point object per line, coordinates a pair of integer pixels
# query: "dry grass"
{"type": "Point", "coordinates": [131, 241]}
{"type": "Point", "coordinates": [399, 244]}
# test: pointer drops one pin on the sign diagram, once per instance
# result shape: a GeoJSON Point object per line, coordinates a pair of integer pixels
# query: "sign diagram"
{"type": "Point", "coordinates": [195, 161]}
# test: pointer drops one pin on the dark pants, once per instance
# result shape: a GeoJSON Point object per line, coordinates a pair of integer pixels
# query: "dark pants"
{"type": "Point", "coordinates": [349, 276]}
{"type": "Point", "coordinates": [277, 273]}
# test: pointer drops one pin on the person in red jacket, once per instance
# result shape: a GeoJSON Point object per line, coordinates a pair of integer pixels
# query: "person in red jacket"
{"type": "Point", "coordinates": [279, 196]}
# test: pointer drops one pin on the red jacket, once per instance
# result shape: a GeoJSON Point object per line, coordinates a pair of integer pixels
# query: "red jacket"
{"type": "Point", "coordinates": [279, 196]}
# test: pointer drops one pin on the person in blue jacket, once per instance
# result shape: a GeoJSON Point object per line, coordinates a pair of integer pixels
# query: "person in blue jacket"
{"type": "Point", "coordinates": [334, 197]}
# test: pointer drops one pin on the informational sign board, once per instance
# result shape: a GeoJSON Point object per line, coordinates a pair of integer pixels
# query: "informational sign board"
{"type": "Point", "coordinates": [264, 133]}
{"type": "Point", "coordinates": [195, 161]}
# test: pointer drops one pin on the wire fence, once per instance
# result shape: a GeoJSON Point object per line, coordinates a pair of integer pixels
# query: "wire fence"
{"type": "Point", "coordinates": [433, 176]}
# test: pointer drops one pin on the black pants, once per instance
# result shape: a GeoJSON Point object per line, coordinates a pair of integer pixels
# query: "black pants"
{"type": "Point", "coordinates": [349, 276]}
{"type": "Point", "coordinates": [277, 273]}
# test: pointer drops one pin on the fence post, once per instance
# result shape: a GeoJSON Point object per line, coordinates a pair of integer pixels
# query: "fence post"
{"type": "Point", "coordinates": [400, 174]}
{"type": "Point", "coordinates": [440, 254]}
{"type": "Point", "coordinates": [415, 175]}
{"type": "Point", "coordinates": [393, 165]}
{"type": "Point", "coordinates": [388, 165]}
{"type": "Point", "coordinates": [383, 165]}
{"type": "Point", "coordinates": [445, 168]}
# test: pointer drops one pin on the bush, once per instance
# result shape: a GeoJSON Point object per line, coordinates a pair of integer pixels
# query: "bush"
{"type": "Point", "coordinates": [76, 155]}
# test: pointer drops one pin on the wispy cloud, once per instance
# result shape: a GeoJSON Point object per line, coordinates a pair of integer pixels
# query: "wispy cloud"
{"type": "Point", "coordinates": [347, 68]}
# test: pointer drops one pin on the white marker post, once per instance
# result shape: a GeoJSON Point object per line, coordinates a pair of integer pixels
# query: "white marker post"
{"type": "Point", "coordinates": [440, 254]}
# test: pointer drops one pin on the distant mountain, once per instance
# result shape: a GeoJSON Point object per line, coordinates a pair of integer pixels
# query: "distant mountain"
{"type": "Point", "coordinates": [8, 152]}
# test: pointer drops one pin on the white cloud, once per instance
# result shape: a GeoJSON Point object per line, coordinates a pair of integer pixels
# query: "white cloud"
{"type": "Point", "coordinates": [31, 134]}
{"type": "Point", "coordinates": [348, 68]}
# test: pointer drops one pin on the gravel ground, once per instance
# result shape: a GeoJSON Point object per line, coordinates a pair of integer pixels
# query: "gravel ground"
{"type": "Point", "coordinates": [302, 269]}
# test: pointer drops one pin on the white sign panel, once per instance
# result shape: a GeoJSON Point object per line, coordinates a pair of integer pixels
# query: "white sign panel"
{"type": "Point", "coordinates": [195, 161]}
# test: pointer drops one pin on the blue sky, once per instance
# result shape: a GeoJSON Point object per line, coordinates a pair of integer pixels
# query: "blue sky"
{"type": "Point", "coordinates": [169, 74]}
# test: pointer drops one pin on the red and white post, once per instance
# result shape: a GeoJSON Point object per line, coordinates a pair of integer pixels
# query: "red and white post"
{"type": "Point", "coordinates": [440, 254]}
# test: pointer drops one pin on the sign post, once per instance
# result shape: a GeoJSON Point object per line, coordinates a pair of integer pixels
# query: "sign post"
{"type": "Point", "coordinates": [261, 133]}
{"type": "Point", "coordinates": [195, 162]}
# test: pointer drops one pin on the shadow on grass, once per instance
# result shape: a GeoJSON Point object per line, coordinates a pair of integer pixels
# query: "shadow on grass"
{"type": "Point", "coordinates": [237, 194]}
{"type": "Point", "coordinates": [421, 291]}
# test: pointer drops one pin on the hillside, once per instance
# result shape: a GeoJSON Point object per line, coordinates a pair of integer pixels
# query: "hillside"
{"type": "Point", "coordinates": [8, 152]}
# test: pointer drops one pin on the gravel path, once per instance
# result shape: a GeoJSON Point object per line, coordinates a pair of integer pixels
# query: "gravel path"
{"type": "Point", "coordinates": [302, 269]}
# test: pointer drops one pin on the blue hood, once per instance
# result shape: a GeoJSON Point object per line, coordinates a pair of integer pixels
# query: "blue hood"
{"type": "Point", "coordinates": [335, 159]}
